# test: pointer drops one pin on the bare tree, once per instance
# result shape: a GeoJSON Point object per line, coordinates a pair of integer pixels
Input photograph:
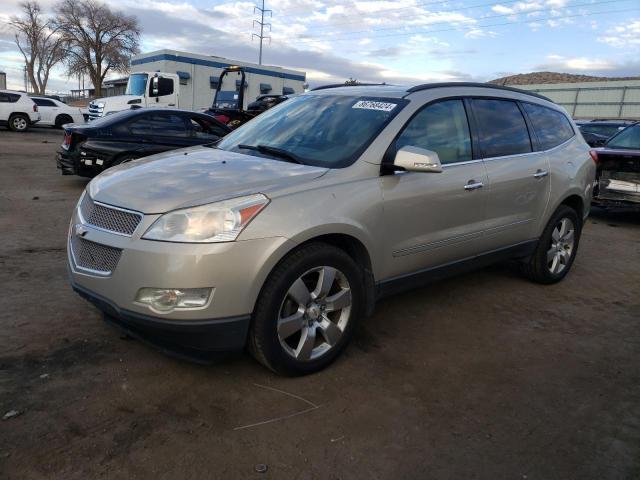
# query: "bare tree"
{"type": "Point", "coordinates": [98, 39]}
{"type": "Point", "coordinates": [39, 42]}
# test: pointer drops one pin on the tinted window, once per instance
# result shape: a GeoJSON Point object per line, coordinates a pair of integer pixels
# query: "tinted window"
{"type": "Point", "coordinates": [162, 125]}
{"type": "Point", "coordinates": [41, 102]}
{"type": "Point", "coordinates": [605, 130]}
{"type": "Point", "coordinates": [628, 138]}
{"type": "Point", "coordinates": [205, 129]}
{"type": "Point", "coordinates": [551, 126]}
{"type": "Point", "coordinates": [9, 97]}
{"type": "Point", "coordinates": [503, 130]}
{"type": "Point", "coordinates": [442, 128]}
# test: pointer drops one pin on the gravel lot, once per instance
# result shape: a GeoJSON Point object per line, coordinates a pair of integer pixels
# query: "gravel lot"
{"type": "Point", "coordinates": [481, 376]}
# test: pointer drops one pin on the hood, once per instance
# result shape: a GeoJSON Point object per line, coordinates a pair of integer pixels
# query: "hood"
{"type": "Point", "coordinates": [194, 176]}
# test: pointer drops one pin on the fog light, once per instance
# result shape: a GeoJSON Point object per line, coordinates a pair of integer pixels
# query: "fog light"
{"type": "Point", "coordinates": [167, 299]}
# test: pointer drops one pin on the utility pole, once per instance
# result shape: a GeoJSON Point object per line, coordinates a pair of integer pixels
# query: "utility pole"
{"type": "Point", "coordinates": [262, 24]}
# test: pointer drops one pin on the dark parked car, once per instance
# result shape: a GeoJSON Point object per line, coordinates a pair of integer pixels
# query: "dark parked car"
{"type": "Point", "coordinates": [89, 149]}
{"type": "Point", "coordinates": [597, 132]}
{"type": "Point", "coordinates": [618, 169]}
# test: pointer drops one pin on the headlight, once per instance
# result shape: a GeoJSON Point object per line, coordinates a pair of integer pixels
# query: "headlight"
{"type": "Point", "coordinates": [100, 104]}
{"type": "Point", "coordinates": [215, 222]}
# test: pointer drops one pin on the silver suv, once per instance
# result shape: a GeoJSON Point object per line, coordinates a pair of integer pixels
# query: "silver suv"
{"type": "Point", "coordinates": [283, 235]}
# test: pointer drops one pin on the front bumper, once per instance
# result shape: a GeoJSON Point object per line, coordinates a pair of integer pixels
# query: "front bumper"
{"type": "Point", "coordinates": [193, 341]}
{"type": "Point", "coordinates": [235, 271]}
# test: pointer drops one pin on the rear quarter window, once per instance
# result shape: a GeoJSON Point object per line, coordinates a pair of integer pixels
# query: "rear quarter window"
{"type": "Point", "coordinates": [551, 127]}
{"type": "Point", "coordinates": [503, 130]}
{"type": "Point", "coordinates": [9, 97]}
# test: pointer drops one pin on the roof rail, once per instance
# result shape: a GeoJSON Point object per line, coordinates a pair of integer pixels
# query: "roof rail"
{"type": "Point", "coordinates": [338, 85]}
{"type": "Point", "coordinates": [427, 86]}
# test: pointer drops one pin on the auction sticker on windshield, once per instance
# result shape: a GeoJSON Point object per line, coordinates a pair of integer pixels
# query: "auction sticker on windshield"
{"type": "Point", "coordinates": [373, 105]}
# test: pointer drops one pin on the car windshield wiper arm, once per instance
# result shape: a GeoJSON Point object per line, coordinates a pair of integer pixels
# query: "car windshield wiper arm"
{"type": "Point", "coordinates": [275, 151]}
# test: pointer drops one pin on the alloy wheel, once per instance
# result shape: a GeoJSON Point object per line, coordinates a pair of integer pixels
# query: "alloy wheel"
{"type": "Point", "coordinates": [19, 123]}
{"type": "Point", "coordinates": [562, 243]}
{"type": "Point", "coordinates": [314, 313]}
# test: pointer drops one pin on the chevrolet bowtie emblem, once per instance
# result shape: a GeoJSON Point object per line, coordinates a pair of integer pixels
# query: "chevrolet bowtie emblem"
{"type": "Point", "coordinates": [80, 230]}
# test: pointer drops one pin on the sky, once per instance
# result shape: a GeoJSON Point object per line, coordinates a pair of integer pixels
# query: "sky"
{"type": "Point", "coordinates": [401, 42]}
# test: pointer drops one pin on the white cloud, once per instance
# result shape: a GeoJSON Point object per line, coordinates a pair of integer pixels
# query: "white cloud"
{"type": "Point", "coordinates": [479, 33]}
{"type": "Point", "coordinates": [623, 36]}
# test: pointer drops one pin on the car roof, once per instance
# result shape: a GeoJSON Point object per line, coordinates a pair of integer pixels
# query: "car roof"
{"type": "Point", "coordinates": [399, 91]}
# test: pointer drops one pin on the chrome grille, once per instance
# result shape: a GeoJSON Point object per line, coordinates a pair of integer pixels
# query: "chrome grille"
{"type": "Point", "coordinates": [94, 256]}
{"type": "Point", "coordinates": [109, 218]}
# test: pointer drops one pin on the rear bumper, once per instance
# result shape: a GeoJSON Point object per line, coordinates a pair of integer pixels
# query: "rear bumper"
{"type": "Point", "coordinates": [69, 163]}
{"type": "Point", "coordinates": [194, 340]}
{"type": "Point", "coordinates": [618, 189]}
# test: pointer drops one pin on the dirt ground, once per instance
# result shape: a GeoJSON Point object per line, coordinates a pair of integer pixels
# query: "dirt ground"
{"type": "Point", "coordinates": [483, 376]}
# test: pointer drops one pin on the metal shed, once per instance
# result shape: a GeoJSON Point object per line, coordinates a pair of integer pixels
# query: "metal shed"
{"type": "Point", "coordinates": [588, 100]}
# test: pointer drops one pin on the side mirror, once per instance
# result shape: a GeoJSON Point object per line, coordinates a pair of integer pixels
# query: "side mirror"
{"type": "Point", "coordinates": [415, 159]}
{"type": "Point", "coordinates": [155, 89]}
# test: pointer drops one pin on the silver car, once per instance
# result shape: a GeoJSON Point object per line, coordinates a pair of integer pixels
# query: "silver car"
{"type": "Point", "coordinates": [282, 236]}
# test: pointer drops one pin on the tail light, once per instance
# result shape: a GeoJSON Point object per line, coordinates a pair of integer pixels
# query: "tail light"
{"type": "Point", "coordinates": [35, 107]}
{"type": "Point", "coordinates": [66, 142]}
{"type": "Point", "coordinates": [594, 156]}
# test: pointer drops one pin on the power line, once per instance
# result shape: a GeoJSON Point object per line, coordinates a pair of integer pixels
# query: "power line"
{"type": "Point", "coordinates": [348, 35]}
{"type": "Point", "coordinates": [262, 24]}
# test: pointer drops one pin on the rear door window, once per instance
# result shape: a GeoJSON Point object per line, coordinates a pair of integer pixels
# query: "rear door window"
{"type": "Point", "coordinates": [441, 127]}
{"type": "Point", "coordinates": [552, 127]}
{"type": "Point", "coordinates": [160, 125]}
{"type": "Point", "coordinates": [503, 130]}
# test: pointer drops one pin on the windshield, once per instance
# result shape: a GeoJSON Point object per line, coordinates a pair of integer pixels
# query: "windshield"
{"type": "Point", "coordinates": [137, 84]}
{"type": "Point", "coordinates": [627, 138]}
{"type": "Point", "coordinates": [322, 130]}
{"type": "Point", "coordinates": [606, 130]}
{"type": "Point", "coordinates": [226, 100]}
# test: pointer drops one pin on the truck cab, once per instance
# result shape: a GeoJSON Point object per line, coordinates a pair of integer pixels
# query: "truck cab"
{"type": "Point", "coordinates": [144, 89]}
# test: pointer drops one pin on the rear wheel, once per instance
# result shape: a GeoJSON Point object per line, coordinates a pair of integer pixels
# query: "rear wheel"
{"type": "Point", "coordinates": [556, 249]}
{"type": "Point", "coordinates": [307, 310]}
{"type": "Point", "coordinates": [19, 122]}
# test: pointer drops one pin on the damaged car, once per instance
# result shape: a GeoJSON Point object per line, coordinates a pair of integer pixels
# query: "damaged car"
{"type": "Point", "coordinates": [88, 149]}
{"type": "Point", "coordinates": [618, 170]}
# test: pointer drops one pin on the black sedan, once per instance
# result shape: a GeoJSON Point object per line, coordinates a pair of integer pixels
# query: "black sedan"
{"type": "Point", "coordinates": [88, 149]}
{"type": "Point", "coordinates": [597, 132]}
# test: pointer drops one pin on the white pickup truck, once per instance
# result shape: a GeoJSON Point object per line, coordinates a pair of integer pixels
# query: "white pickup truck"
{"type": "Point", "coordinates": [144, 89]}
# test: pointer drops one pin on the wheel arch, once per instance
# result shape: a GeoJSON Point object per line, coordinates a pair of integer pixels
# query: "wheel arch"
{"type": "Point", "coordinates": [57, 121]}
{"type": "Point", "coordinates": [355, 247]}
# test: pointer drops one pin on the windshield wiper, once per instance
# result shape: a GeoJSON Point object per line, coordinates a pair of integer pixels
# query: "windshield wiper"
{"type": "Point", "coordinates": [275, 151]}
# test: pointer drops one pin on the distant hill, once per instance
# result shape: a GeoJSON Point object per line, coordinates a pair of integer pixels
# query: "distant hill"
{"type": "Point", "coordinates": [552, 77]}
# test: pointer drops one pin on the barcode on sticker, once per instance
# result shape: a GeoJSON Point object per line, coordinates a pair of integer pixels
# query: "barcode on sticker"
{"type": "Point", "coordinates": [373, 105]}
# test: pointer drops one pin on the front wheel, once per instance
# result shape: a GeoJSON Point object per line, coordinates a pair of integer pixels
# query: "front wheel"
{"type": "Point", "coordinates": [556, 249]}
{"type": "Point", "coordinates": [307, 310]}
{"type": "Point", "coordinates": [19, 122]}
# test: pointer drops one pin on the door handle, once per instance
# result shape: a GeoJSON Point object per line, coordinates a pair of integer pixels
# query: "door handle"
{"type": "Point", "coordinates": [540, 174]}
{"type": "Point", "coordinates": [473, 185]}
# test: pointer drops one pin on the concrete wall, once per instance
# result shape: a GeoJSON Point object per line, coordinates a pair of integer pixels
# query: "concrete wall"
{"type": "Point", "coordinates": [612, 99]}
{"type": "Point", "coordinates": [201, 68]}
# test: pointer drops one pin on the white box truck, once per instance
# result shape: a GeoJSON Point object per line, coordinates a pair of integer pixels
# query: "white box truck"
{"type": "Point", "coordinates": [189, 81]}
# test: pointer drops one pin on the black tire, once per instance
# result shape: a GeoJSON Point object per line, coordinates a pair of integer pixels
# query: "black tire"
{"type": "Point", "coordinates": [264, 342]}
{"type": "Point", "coordinates": [19, 122]}
{"type": "Point", "coordinates": [536, 267]}
{"type": "Point", "coordinates": [62, 119]}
